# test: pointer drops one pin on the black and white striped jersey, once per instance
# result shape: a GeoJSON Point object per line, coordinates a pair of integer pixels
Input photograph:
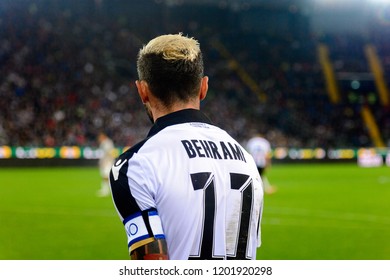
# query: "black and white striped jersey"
{"type": "Point", "coordinates": [192, 184]}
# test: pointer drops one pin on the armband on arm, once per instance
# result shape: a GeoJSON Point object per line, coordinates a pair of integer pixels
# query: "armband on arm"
{"type": "Point", "coordinates": [146, 239]}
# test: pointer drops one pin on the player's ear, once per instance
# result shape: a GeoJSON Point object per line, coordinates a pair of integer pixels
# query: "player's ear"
{"type": "Point", "coordinates": [204, 86]}
{"type": "Point", "coordinates": [143, 90]}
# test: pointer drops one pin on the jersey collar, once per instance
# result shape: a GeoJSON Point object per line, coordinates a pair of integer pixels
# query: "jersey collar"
{"type": "Point", "coordinates": [178, 117]}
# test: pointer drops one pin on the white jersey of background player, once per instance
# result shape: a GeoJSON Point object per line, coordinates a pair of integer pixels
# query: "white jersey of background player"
{"type": "Point", "coordinates": [106, 160]}
{"type": "Point", "coordinates": [260, 149]}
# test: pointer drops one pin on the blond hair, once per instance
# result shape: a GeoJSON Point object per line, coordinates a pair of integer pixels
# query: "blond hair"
{"type": "Point", "coordinates": [172, 65]}
{"type": "Point", "coordinates": [173, 47]}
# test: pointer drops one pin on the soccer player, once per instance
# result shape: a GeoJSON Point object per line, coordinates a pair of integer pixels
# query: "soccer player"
{"type": "Point", "coordinates": [260, 149]}
{"type": "Point", "coordinates": [106, 160]}
{"type": "Point", "coordinates": [188, 190]}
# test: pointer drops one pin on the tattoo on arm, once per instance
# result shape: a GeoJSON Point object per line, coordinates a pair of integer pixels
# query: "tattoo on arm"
{"type": "Point", "coordinates": [156, 250]}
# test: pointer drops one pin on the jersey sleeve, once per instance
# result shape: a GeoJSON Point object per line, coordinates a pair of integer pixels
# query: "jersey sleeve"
{"type": "Point", "coordinates": [134, 203]}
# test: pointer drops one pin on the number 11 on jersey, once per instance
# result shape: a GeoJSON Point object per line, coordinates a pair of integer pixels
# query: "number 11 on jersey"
{"type": "Point", "coordinates": [237, 247]}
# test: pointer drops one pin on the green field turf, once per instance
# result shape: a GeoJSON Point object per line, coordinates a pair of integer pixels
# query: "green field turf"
{"type": "Point", "coordinates": [320, 212]}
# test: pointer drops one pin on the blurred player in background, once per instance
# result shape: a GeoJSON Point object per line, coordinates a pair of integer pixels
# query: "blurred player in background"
{"type": "Point", "coordinates": [189, 190]}
{"type": "Point", "coordinates": [260, 149]}
{"type": "Point", "coordinates": [106, 160]}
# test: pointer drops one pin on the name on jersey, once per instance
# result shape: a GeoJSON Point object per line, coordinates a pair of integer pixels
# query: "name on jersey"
{"type": "Point", "coordinates": [210, 149]}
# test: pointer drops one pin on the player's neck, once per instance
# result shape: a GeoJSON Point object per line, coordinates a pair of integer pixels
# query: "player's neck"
{"type": "Point", "coordinates": [160, 111]}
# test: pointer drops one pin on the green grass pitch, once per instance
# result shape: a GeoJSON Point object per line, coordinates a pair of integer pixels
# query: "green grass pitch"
{"type": "Point", "coordinates": [320, 212]}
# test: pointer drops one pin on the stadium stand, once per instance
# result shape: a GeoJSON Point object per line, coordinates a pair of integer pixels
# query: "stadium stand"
{"type": "Point", "coordinates": [68, 69]}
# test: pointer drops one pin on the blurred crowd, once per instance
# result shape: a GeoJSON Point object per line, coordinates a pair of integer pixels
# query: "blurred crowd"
{"type": "Point", "coordinates": [68, 71]}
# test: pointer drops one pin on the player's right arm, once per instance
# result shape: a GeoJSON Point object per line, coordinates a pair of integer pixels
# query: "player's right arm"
{"type": "Point", "coordinates": [145, 235]}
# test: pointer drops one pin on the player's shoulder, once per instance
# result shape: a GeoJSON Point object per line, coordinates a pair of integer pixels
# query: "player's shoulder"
{"type": "Point", "coordinates": [122, 162]}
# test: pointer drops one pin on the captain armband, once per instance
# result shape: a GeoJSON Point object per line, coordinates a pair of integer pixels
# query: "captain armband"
{"type": "Point", "coordinates": [142, 229]}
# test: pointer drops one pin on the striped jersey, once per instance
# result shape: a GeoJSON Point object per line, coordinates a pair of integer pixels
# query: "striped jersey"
{"type": "Point", "coordinates": [192, 184]}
